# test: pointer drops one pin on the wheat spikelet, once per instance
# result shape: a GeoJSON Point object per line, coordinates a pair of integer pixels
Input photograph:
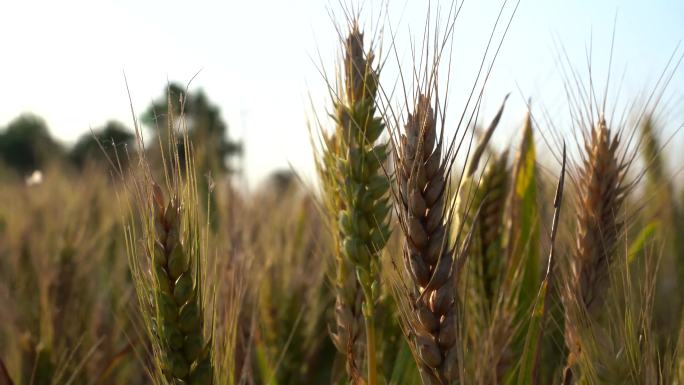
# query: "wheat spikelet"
{"type": "Point", "coordinates": [598, 216]}
{"type": "Point", "coordinates": [356, 193]}
{"type": "Point", "coordinates": [651, 151]}
{"type": "Point", "coordinates": [428, 256]}
{"type": "Point", "coordinates": [599, 200]}
{"type": "Point", "coordinates": [491, 196]}
{"type": "Point", "coordinates": [523, 220]}
{"type": "Point", "coordinates": [488, 258]}
{"type": "Point", "coordinates": [665, 211]}
{"type": "Point", "coordinates": [347, 333]}
{"type": "Point", "coordinates": [185, 354]}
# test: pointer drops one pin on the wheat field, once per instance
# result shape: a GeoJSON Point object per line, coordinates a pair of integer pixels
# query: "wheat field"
{"type": "Point", "coordinates": [422, 253]}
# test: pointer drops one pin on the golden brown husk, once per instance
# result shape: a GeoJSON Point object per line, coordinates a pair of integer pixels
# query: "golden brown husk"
{"type": "Point", "coordinates": [428, 256]}
{"type": "Point", "coordinates": [599, 225]}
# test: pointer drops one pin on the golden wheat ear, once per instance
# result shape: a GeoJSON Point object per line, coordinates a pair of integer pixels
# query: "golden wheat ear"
{"type": "Point", "coordinates": [429, 257]}
{"type": "Point", "coordinates": [601, 192]}
{"type": "Point", "coordinates": [599, 218]}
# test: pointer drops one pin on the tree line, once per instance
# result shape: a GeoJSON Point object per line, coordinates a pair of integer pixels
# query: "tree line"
{"type": "Point", "coordinates": [26, 144]}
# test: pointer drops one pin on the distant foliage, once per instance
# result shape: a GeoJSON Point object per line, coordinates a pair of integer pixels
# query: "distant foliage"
{"type": "Point", "coordinates": [114, 138]}
{"type": "Point", "coordinates": [26, 144]}
{"type": "Point", "coordinates": [206, 127]}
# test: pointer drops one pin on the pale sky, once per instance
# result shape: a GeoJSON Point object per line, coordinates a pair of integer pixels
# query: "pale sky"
{"type": "Point", "coordinates": [258, 59]}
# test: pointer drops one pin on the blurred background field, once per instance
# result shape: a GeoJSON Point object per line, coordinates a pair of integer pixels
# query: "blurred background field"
{"type": "Point", "coordinates": [240, 140]}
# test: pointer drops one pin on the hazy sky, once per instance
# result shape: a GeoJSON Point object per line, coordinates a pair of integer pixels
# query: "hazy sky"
{"type": "Point", "coordinates": [258, 59]}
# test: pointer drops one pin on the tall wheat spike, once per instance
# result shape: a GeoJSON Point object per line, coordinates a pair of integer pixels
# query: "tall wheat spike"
{"type": "Point", "coordinates": [523, 222]}
{"type": "Point", "coordinates": [348, 333]}
{"type": "Point", "coordinates": [665, 211]}
{"type": "Point", "coordinates": [598, 218]}
{"type": "Point", "coordinates": [356, 190]}
{"type": "Point", "coordinates": [488, 248]}
{"type": "Point", "coordinates": [488, 263]}
{"type": "Point", "coordinates": [428, 254]}
{"type": "Point", "coordinates": [599, 202]}
{"type": "Point", "coordinates": [166, 258]}
{"type": "Point", "coordinates": [185, 353]}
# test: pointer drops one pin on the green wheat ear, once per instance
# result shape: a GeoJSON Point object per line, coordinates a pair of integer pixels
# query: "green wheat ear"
{"type": "Point", "coordinates": [166, 247]}
{"type": "Point", "coordinates": [185, 353]}
{"type": "Point", "coordinates": [357, 191]}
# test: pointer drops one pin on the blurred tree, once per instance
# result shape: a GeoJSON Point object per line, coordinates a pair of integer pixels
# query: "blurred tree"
{"type": "Point", "coordinates": [207, 130]}
{"type": "Point", "coordinates": [114, 137]}
{"type": "Point", "coordinates": [281, 181]}
{"type": "Point", "coordinates": [26, 145]}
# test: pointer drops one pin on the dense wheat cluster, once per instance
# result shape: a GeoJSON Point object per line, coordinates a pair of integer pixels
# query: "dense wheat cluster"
{"type": "Point", "coordinates": [428, 251]}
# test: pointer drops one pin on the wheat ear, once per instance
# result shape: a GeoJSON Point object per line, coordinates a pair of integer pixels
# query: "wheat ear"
{"type": "Point", "coordinates": [428, 255]}
{"type": "Point", "coordinates": [185, 355]}
{"type": "Point", "coordinates": [491, 195]}
{"type": "Point", "coordinates": [598, 216]}
{"type": "Point", "coordinates": [599, 201]}
{"type": "Point", "coordinates": [354, 160]}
